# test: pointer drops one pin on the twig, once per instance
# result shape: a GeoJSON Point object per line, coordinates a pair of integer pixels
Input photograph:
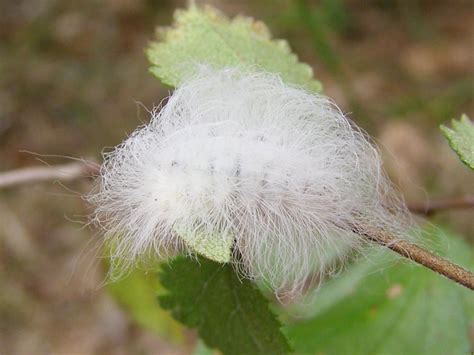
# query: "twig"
{"type": "Point", "coordinates": [429, 208]}
{"type": "Point", "coordinates": [425, 258]}
{"type": "Point", "coordinates": [63, 172]}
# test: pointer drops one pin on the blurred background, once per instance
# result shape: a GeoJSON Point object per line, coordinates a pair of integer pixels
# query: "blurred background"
{"type": "Point", "coordinates": [74, 79]}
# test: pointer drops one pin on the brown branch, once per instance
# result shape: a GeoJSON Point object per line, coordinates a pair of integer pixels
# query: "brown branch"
{"type": "Point", "coordinates": [65, 172]}
{"type": "Point", "coordinates": [425, 258]}
{"type": "Point", "coordinates": [430, 207]}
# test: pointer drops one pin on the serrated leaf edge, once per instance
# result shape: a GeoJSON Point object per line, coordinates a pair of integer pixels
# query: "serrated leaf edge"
{"type": "Point", "coordinates": [450, 133]}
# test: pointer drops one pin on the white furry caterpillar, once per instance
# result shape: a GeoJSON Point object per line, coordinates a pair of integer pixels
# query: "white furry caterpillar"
{"type": "Point", "coordinates": [278, 170]}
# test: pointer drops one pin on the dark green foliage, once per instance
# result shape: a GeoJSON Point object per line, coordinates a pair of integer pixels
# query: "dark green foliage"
{"type": "Point", "coordinates": [230, 314]}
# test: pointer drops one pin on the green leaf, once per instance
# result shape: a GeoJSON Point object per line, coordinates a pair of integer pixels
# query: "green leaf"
{"type": "Point", "coordinates": [202, 349]}
{"type": "Point", "coordinates": [461, 139]}
{"type": "Point", "coordinates": [217, 247]}
{"type": "Point", "coordinates": [230, 314]}
{"type": "Point", "coordinates": [384, 305]}
{"type": "Point", "coordinates": [206, 36]}
{"type": "Point", "coordinates": [137, 293]}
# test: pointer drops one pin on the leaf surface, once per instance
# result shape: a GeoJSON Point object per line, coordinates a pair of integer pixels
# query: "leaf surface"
{"type": "Point", "coordinates": [230, 314]}
{"type": "Point", "coordinates": [217, 247]}
{"type": "Point", "coordinates": [205, 36]}
{"type": "Point", "coordinates": [384, 305]}
{"type": "Point", "coordinates": [137, 294]}
{"type": "Point", "coordinates": [461, 139]}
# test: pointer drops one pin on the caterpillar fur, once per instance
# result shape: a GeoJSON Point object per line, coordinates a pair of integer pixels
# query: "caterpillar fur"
{"type": "Point", "coordinates": [278, 171]}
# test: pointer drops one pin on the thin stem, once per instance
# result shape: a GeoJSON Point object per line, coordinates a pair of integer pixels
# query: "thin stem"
{"type": "Point", "coordinates": [63, 172]}
{"type": "Point", "coordinates": [430, 207]}
{"type": "Point", "coordinates": [425, 258]}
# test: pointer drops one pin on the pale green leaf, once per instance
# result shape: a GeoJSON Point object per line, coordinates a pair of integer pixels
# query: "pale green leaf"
{"type": "Point", "coordinates": [137, 293]}
{"type": "Point", "coordinates": [217, 247]}
{"type": "Point", "coordinates": [202, 349]}
{"type": "Point", "coordinates": [229, 314]}
{"type": "Point", "coordinates": [384, 305]}
{"type": "Point", "coordinates": [461, 139]}
{"type": "Point", "coordinates": [205, 36]}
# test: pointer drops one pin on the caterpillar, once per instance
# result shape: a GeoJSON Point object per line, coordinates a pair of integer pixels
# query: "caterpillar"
{"type": "Point", "coordinates": [240, 157]}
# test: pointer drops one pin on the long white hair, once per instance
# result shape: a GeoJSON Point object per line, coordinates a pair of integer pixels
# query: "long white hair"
{"type": "Point", "coordinates": [275, 169]}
